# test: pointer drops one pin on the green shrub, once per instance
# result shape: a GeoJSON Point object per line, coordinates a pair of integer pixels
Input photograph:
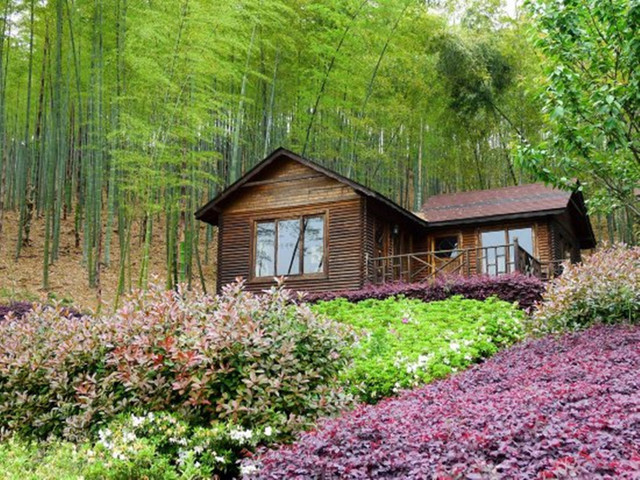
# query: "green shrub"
{"type": "Point", "coordinates": [253, 360]}
{"type": "Point", "coordinates": [405, 342]}
{"type": "Point", "coordinates": [603, 289]}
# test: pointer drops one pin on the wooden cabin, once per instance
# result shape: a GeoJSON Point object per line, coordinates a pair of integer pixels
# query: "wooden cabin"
{"type": "Point", "coordinates": [291, 217]}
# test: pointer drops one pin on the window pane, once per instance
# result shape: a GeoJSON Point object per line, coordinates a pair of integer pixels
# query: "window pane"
{"type": "Point", "coordinates": [494, 259]}
{"type": "Point", "coordinates": [313, 244]}
{"type": "Point", "coordinates": [524, 236]}
{"type": "Point", "coordinates": [446, 247]}
{"type": "Point", "coordinates": [265, 249]}
{"type": "Point", "coordinates": [288, 247]}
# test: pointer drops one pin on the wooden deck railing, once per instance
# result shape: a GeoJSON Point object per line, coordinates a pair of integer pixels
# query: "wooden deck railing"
{"type": "Point", "coordinates": [494, 260]}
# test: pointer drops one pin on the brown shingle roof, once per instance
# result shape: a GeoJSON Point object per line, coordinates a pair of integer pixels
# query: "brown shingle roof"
{"type": "Point", "coordinates": [497, 202]}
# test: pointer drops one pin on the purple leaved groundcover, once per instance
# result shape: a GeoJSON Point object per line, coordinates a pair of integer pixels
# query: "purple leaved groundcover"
{"type": "Point", "coordinates": [565, 407]}
{"type": "Point", "coordinates": [515, 287]}
{"type": "Point", "coordinates": [20, 309]}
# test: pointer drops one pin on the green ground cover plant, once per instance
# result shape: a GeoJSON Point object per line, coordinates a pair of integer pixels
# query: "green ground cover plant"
{"type": "Point", "coordinates": [406, 342]}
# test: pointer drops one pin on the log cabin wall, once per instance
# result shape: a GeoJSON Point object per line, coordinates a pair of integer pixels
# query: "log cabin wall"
{"type": "Point", "coordinates": [565, 244]}
{"type": "Point", "coordinates": [292, 190]}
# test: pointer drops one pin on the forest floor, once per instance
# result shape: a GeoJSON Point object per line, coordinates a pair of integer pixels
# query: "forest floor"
{"type": "Point", "coordinates": [68, 277]}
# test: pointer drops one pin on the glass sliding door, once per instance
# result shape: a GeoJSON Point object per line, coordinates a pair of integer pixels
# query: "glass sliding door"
{"type": "Point", "coordinates": [494, 252]}
{"type": "Point", "coordinates": [525, 241]}
{"type": "Point", "coordinates": [496, 257]}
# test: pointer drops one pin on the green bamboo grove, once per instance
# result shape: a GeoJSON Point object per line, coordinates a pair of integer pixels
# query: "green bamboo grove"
{"type": "Point", "coordinates": [119, 115]}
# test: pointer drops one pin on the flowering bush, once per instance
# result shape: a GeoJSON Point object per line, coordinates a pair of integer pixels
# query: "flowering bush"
{"type": "Point", "coordinates": [515, 287]}
{"type": "Point", "coordinates": [605, 288]}
{"type": "Point", "coordinates": [553, 408]}
{"type": "Point", "coordinates": [252, 360]}
{"type": "Point", "coordinates": [154, 445]}
{"type": "Point", "coordinates": [195, 452]}
{"type": "Point", "coordinates": [405, 342]}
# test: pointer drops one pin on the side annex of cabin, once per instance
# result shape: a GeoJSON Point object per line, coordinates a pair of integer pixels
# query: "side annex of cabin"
{"type": "Point", "coordinates": [291, 217]}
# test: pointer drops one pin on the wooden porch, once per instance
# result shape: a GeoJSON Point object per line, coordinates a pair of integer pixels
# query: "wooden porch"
{"type": "Point", "coordinates": [493, 260]}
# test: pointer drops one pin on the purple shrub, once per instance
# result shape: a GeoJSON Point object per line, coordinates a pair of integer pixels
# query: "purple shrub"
{"type": "Point", "coordinates": [20, 309]}
{"type": "Point", "coordinates": [17, 309]}
{"type": "Point", "coordinates": [564, 407]}
{"type": "Point", "coordinates": [525, 290]}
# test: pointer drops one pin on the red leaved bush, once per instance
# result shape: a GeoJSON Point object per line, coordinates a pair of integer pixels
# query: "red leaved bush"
{"type": "Point", "coordinates": [564, 407]}
{"type": "Point", "coordinates": [513, 287]}
{"type": "Point", "coordinates": [250, 359]}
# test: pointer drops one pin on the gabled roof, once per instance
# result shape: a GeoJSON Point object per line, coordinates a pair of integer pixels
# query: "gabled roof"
{"type": "Point", "coordinates": [533, 198]}
{"type": "Point", "coordinates": [521, 201]}
{"type": "Point", "coordinates": [209, 212]}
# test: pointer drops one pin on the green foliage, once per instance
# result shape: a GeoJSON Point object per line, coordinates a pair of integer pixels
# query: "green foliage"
{"type": "Point", "coordinates": [603, 289]}
{"type": "Point", "coordinates": [592, 98]}
{"type": "Point", "coordinates": [254, 360]}
{"type": "Point", "coordinates": [404, 342]}
{"type": "Point", "coordinates": [21, 460]}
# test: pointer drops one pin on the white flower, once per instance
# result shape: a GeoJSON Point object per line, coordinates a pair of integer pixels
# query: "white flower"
{"type": "Point", "coordinates": [198, 449]}
{"type": "Point", "coordinates": [240, 435]}
{"type": "Point", "coordinates": [104, 434]}
{"type": "Point", "coordinates": [119, 456]}
{"type": "Point", "coordinates": [454, 346]}
{"type": "Point", "coordinates": [268, 431]}
{"type": "Point", "coordinates": [248, 469]}
{"type": "Point", "coordinates": [128, 437]}
{"type": "Point", "coordinates": [137, 421]}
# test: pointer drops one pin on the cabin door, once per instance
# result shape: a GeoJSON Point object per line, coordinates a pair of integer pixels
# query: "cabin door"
{"type": "Point", "coordinates": [382, 250]}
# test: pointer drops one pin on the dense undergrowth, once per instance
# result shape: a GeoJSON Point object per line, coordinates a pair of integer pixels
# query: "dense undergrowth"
{"type": "Point", "coordinates": [604, 289]}
{"type": "Point", "coordinates": [181, 385]}
{"type": "Point", "coordinates": [515, 287]}
{"type": "Point", "coordinates": [18, 309]}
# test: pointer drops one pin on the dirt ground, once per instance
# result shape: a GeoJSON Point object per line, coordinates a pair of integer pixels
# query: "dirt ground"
{"type": "Point", "coordinates": [68, 277]}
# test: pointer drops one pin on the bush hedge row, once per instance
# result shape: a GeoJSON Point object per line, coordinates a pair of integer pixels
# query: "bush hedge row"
{"type": "Point", "coordinates": [515, 287]}
{"type": "Point", "coordinates": [603, 289]}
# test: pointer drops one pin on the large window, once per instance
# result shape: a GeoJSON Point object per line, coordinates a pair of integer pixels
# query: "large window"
{"type": "Point", "coordinates": [294, 246]}
{"type": "Point", "coordinates": [496, 257]}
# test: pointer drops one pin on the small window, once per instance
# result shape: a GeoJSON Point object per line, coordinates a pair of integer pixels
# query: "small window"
{"type": "Point", "coordinates": [290, 247]}
{"type": "Point", "coordinates": [446, 247]}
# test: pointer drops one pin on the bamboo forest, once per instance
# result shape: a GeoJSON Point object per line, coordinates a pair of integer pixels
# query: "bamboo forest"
{"type": "Point", "coordinates": [120, 118]}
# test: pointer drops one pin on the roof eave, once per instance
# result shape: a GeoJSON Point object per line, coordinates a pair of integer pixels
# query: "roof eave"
{"type": "Point", "coordinates": [495, 218]}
